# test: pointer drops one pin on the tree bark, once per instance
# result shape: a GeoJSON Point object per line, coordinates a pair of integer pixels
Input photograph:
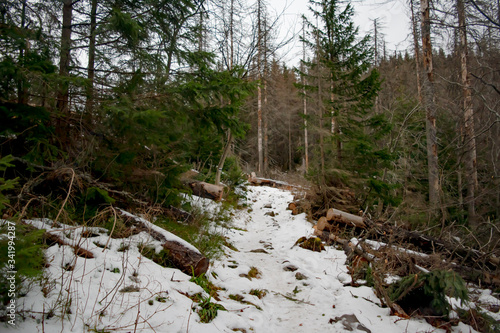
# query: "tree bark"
{"type": "Point", "coordinates": [21, 87]}
{"type": "Point", "coordinates": [63, 92]}
{"type": "Point", "coordinates": [346, 218]}
{"type": "Point", "coordinates": [188, 261]}
{"type": "Point", "coordinates": [184, 256]}
{"type": "Point", "coordinates": [320, 111]}
{"type": "Point", "coordinates": [430, 109]}
{"type": "Point", "coordinates": [259, 88]}
{"type": "Point", "coordinates": [417, 51]}
{"type": "Point", "coordinates": [306, 143]}
{"type": "Point", "coordinates": [222, 160]}
{"type": "Point", "coordinates": [206, 190]}
{"type": "Point", "coordinates": [469, 133]}
{"type": "Point", "coordinates": [89, 103]}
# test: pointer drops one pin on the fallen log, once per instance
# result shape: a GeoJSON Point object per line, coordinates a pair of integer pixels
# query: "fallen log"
{"type": "Point", "coordinates": [323, 224]}
{"type": "Point", "coordinates": [79, 251]}
{"type": "Point", "coordinates": [342, 217]}
{"type": "Point", "coordinates": [184, 256]}
{"type": "Point", "coordinates": [257, 181]}
{"type": "Point", "coordinates": [205, 190]}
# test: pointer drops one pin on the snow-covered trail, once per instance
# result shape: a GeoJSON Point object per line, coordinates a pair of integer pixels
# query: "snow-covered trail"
{"type": "Point", "coordinates": [305, 290]}
{"type": "Point", "coordinates": [119, 290]}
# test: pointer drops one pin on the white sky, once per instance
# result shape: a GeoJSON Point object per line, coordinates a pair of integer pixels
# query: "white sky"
{"type": "Point", "coordinates": [393, 16]}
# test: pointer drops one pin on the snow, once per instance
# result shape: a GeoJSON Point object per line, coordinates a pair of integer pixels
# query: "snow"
{"type": "Point", "coordinates": [89, 295]}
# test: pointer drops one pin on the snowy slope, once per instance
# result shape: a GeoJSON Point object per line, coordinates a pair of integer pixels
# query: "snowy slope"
{"type": "Point", "coordinates": [92, 299]}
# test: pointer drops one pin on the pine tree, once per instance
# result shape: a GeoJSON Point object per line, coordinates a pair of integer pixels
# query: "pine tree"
{"type": "Point", "coordinates": [349, 85]}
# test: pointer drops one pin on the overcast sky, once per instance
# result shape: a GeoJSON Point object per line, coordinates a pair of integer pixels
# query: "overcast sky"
{"type": "Point", "coordinates": [393, 16]}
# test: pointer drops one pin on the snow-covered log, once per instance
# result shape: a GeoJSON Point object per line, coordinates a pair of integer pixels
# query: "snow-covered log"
{"type": "Point", "coordinates": [184, 256]}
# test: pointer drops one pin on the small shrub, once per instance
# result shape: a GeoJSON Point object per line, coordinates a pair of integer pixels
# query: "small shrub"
{"type": "Point", "coordinates": [258, 292]}
{"type": "Point", "coordinates": [161, 299]}
{"type": "Point", "coordinates": [252, 273]}
{"type": "Point", "coordinates": [123, 247]}
{"type": "Point", "coordinates": [208, 286]}
{"type": "Point", "coordinates": [312, 243]}
{"type": "Point", "coordinates": [237, 297]}
{"type": "Point", "coordinates": [130, 289]}
{"type": "Point", "coordinates": [28, 259]}
{"type": "Point", "coordinates": [426, 292]}
{"type": "Point", "coordinates": [207, 310]}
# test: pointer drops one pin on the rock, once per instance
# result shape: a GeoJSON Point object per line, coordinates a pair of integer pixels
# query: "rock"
{"type": "Point", "coordinates": [350, 323]}
{"type": "Point", "coordinates": [299, 276]}
{"type": "Point", "coordinates": [259, 251]}
{"type": "Point", "coordinates": [290, 268]}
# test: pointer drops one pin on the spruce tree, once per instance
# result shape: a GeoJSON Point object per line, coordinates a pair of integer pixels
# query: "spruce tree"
{"type": "Point", "coordinates": [349, 84]}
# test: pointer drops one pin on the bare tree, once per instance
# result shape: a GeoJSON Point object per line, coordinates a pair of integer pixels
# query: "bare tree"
{"type": "Point", "coordinates": [430, 109]}
{"type": "Point", "coordinates": [469, 135]}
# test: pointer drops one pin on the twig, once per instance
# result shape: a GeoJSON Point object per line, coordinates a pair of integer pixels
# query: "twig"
{"type": "Point", "coordinates": [189, 318]}
{"type": "Point", "coordinates": [112, 229]}
{"type": "Point", "coordinates": [67, 196]}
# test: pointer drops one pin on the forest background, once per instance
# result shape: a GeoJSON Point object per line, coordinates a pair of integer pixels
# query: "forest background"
{"type": "Point", "coordinates": [126, 96]}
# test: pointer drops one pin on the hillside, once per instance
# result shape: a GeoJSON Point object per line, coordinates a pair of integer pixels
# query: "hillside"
{"type": "Point", "coordinates": [262, 282]}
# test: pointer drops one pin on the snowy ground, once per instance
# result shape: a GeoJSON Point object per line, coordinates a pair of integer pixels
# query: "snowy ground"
{"type": "Point", "coordinates": [304, 290]}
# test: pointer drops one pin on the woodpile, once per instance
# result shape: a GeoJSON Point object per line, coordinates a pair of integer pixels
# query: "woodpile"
{"type": "Point", "coordinates": [416, 247]}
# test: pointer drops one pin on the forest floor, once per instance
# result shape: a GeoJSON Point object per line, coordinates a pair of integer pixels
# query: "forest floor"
{"type": "Point", "coordinates": [267, 284]}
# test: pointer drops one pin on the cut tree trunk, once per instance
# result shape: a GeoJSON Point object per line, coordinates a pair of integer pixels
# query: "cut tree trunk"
{"type": "Point", "coordinates": [188, 261]}
{"type": "Point", "coordinates": [206, 190]}
{"type": "Point", "coordinates": [322, 224]}
{"type": "Point", "coordinates": [79, 251]}
{"type": "Point", "coordinates": [184, 256]}
{"type": "Point", "coordinates": [342, 217]}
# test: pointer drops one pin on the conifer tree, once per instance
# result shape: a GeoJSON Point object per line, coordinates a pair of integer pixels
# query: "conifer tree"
{"type": "Point", "coordinates": [343, 69]}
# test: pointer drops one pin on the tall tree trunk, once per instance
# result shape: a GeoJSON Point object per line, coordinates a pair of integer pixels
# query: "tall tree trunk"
{"type": "Point", "coordinates": [320, 110]}
{"type": "Point", "coordinates": [375, 32]}
{"type": "Point", "coordinates": [259, 88]}
{"type": "Point", "coordinates": [469, 133]}
{"type": "Point", "coordinates": [227, 148]}
{"type": "Point", "coordinates": [231, 35]}
{"type": "Point", "coordinates": [289, 141]}
{"type": "Point", "coordinates": [21, 87]}
{"type": "Point", "coordinates": [89, 91]}
{"type": "Point", "coordinates": [417, 51]}
{"type": "Point", "coordinates": [430, 109]}
{"type": "Point", "coordinates": [306, 143]}
{"type": "Point", "coordinates": [266, 109]}
{"type": "Point", "coordinates": [63, 92]}
{"type": "Point", "coordinates": [222, 160]}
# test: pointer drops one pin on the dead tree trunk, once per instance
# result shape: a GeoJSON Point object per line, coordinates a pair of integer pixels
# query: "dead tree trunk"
{"type": "Point", "coordinates": [469, 133]}
{"type": "Point", "coordinates": [430, 110]}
